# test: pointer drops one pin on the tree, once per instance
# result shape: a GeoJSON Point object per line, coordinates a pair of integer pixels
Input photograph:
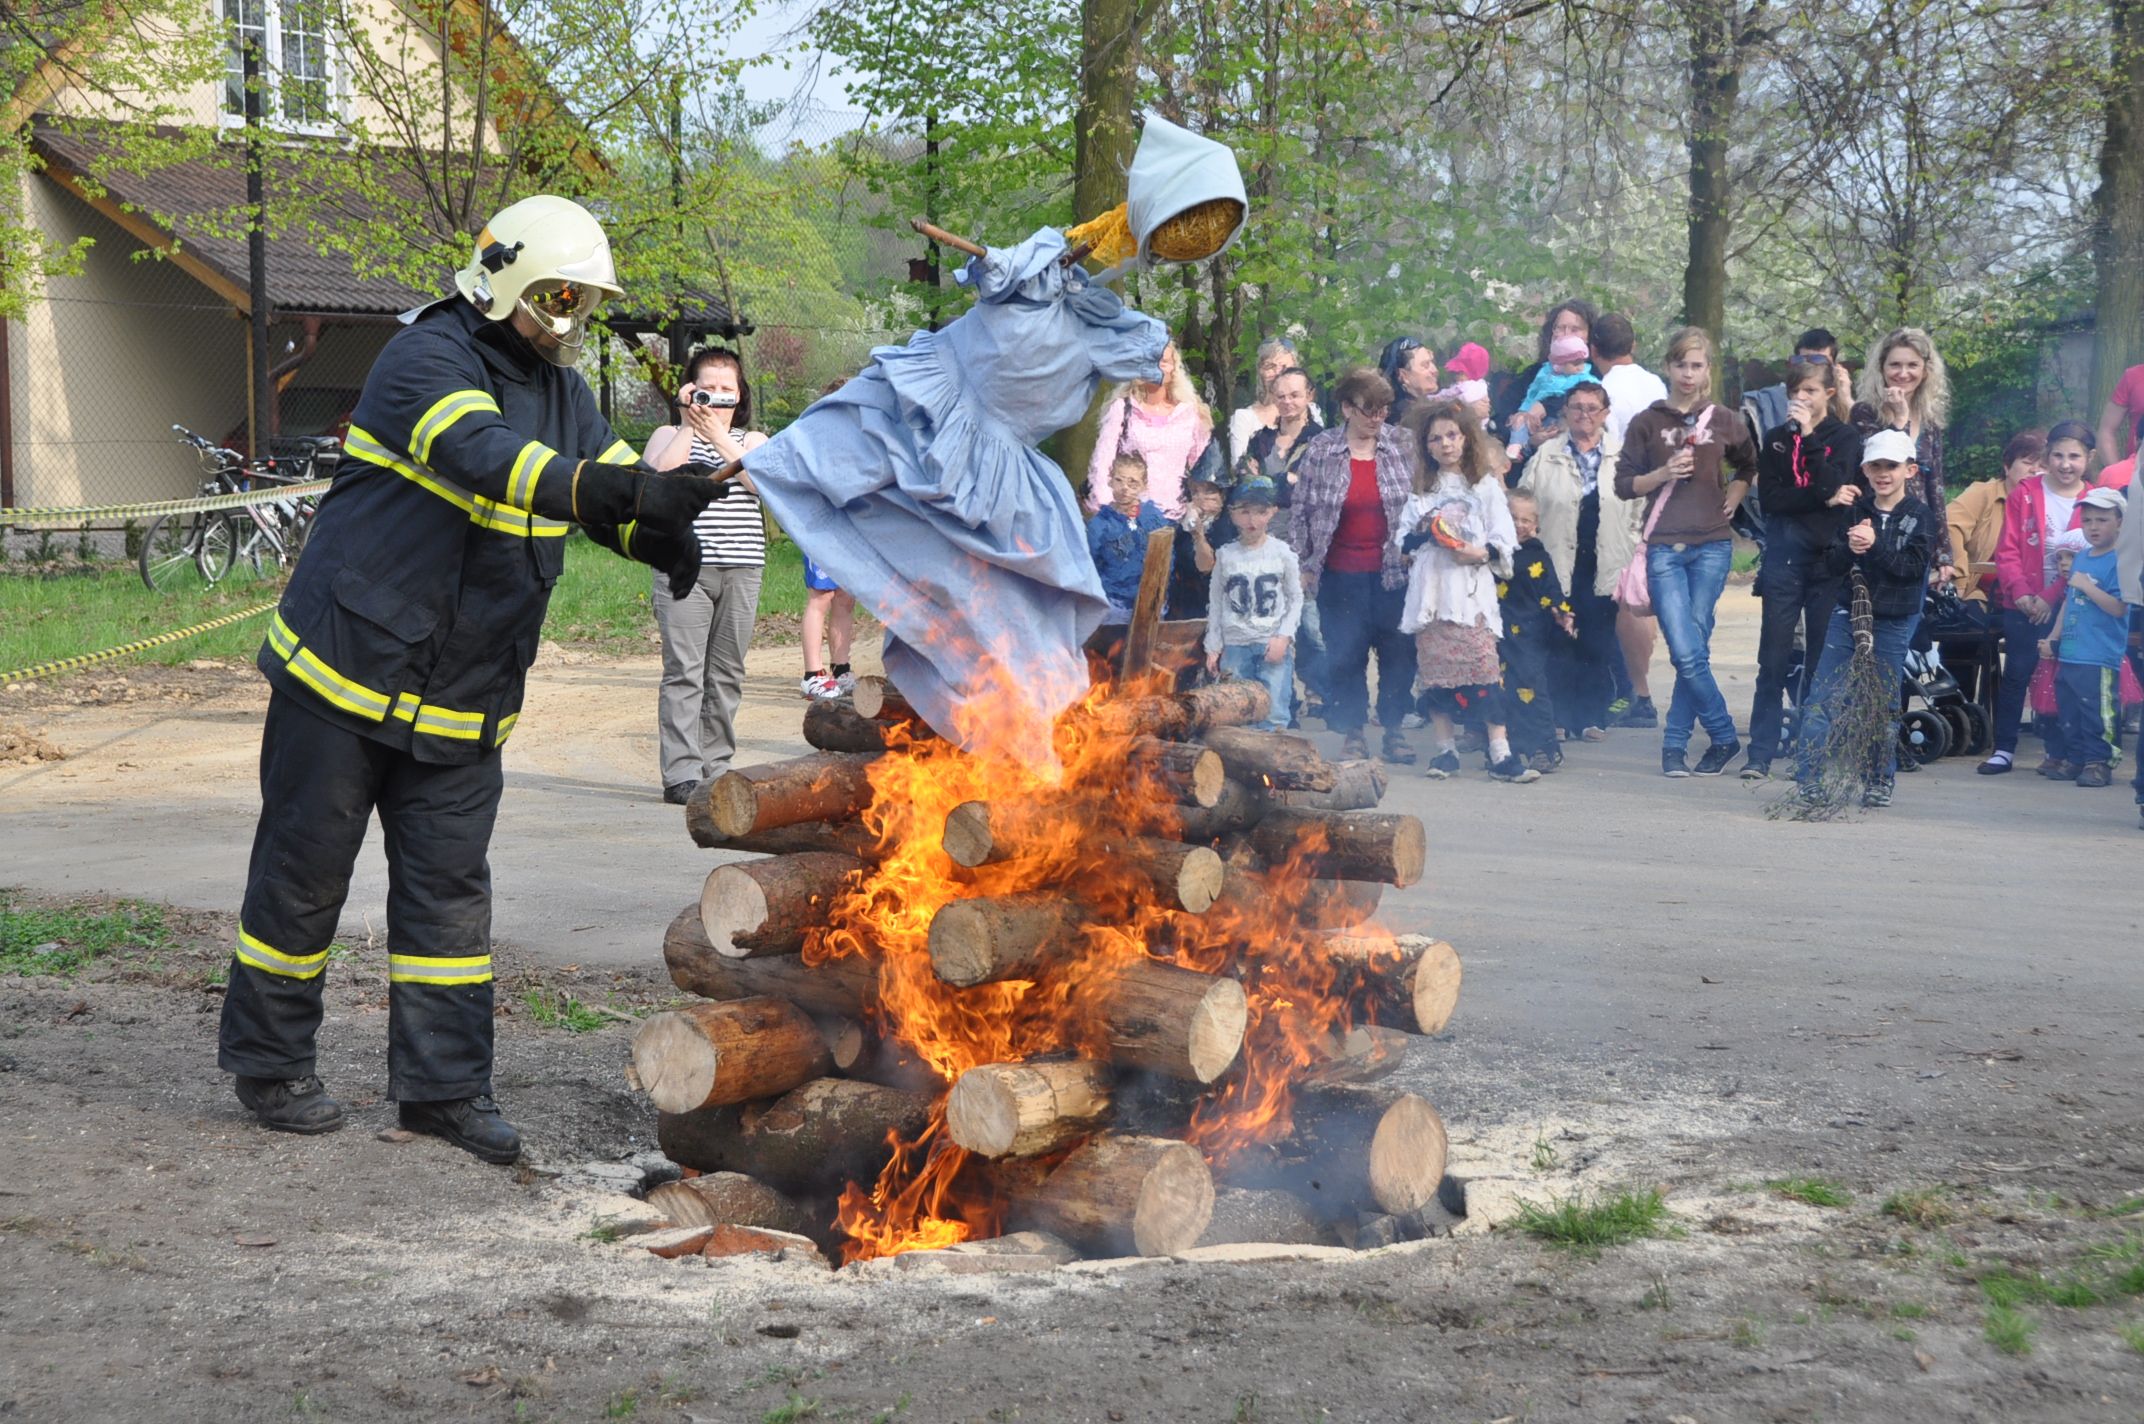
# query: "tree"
{"type": "Point", "coordinates": [2118, 206]}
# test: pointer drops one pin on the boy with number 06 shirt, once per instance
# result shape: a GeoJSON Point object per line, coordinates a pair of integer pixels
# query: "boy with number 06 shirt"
{"type": "Point", "coordinates": [1255, 602]}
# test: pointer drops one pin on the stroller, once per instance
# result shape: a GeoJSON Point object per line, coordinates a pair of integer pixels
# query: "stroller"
{"type": "Point", "coordinates": [1947, 722]}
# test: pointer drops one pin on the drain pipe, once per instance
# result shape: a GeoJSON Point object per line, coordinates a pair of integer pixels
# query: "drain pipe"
{"type": "Point", "coordinates": [283, 371]}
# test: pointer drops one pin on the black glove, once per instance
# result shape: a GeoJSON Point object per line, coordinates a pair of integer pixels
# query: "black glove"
{"type": "Point", "coordinates": [597, 493]}
{"type": "Point", "coordinates": [675, 553]}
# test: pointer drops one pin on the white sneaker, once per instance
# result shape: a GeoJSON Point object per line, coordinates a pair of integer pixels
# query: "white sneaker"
{"type": "Point", "coordinates": [845, 683]}
{"type": "Point", "coordinates": [819, 687]}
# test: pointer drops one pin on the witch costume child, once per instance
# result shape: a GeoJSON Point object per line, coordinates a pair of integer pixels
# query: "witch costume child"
{"type": "Point", "coordinates": [917, 485]}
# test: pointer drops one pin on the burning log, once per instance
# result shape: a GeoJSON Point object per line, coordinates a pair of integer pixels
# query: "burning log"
{"type": "Point", "coordinates": [997, 937]}
{"type": "Point", "coordinates": [1236, 809]}
{"type": "Point", "coordinates": [816, 1137]}
{"type": "Point", "coordinates": [983, 833]}
{"type": "Point", "coordinates": [1357, 786]}
{"type": "Point", "coordinates": [1220, 704]}
{"type": "Point", "coordinates": [1341, 904]}
{"type": "Point", "coordinates": [710, 1055]}
{"type": "Point", "coordinates": [860, 1051]}
{"type": "Point", "coordinates": [834, 838]}
{"type": "Point", "coordinates": [1272, 759]}
{"type": "Point", "coordinates": [839, 986]}
{"type": "Point", "coordinates": [1191, 773]}
{"type": "Point", "coordinates": [832, 725]}
{"type": "Point", "coordinates": [1027, 1109]}
{"type": "Point", "coordinates": [1412, 982]}
{"type": "Point", "coordinates": [1170, 1020]}
{"type": "Point", "coordinates": [1241, 1214]}
{"type": "Point", "coordinates": [757, 907]}
{"type": "Point", "coordinates": [824, 786]}
{"type": "Point", "coordinates": [733, 1199]}
{"type": "Point", "coordinates": [880, 701]}
{"type": "Point", "coordinates": [1357, 845]}
{"type": "Point", "coordinates": [1145, 1196]}
{"type": "Point", "coordinates": [1362, 1054]}
{"type": "Point", "coordinates": [1353, 1149]}
{"type": "Point", "coordinates": [1254, 897]}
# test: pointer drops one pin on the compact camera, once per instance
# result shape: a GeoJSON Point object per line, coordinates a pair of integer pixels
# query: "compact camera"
{"type": "Point", "coordinates": [710, 398]}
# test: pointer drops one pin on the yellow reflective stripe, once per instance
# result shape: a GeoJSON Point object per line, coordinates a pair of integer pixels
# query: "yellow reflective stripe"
{"type": "Point", "coordinates": [625, 537]}
{"type": "Point", "coordinates": [438, 721]}
{"type": "Point", "coordinates": [307, 667]}
{"type": "Point", "coordinates": [275, 961]}
{"type": "Point", "coordinates": [506, 729]}
{"type": "Point", "coordinates": [444, 412]}
{"type": "Point", "coordinates": [528, 468]}
{"type": "Point", "coordinates": [281, 638]}
{"type": "Point", "coordinates": [427, 969]}
{"type": "Point", "coordinates": [619, 453]}
{"type": "Point", "coordinates": [485, 513]}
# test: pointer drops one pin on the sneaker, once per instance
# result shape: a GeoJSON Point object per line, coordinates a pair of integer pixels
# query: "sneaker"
{"type": "Point", "coordinates": [1756, 769]}
{"type": "Point", "coordinates": [2051, 767]}
{"type": "Point", "coordinates": [1354, 747]}
{"type": "Point", "coordinates": [677, 793]}
{"type": "Point", "coordinates": [818, 686]}
{"type": "Point", "coordinates": [472, 1124]}
{"type": "Point", "coordinates": [1397, 749]}
{"type": "Point", "coordinates": [1593, 734]}
{"type": "Point", "coordinates": [2060, 770]}
{"type": "Point", "coordinates": [1513, 770]}
{"type": "Point", "coordinates": [1442, 767]}
{"type": "Point", "coordinates": [290, 1104]}
{"type": "Point", "coordinates": [1413, 722]}
{"type": "Point", "coordinates": [1716, 757]}
{"type": "Point", "coordinates": [1617, 708]}
{"type": "Point", "coordinates": [845, 683]}
{"type": "Point", "coordinates": [1545, 762]}
{"type": "Point", "coordinates": [1674, 764]}
{"type": "Point", "coordinates": [1809, 794]}
{"type": "Point", "coordinates": [1998, 764]}
{"type": "Point", "coordinates": [1877, 795]}
{"type": "Point", "coordinates": [2095, 773]}
{"type": "Point", "coordinates": [1640, 713]}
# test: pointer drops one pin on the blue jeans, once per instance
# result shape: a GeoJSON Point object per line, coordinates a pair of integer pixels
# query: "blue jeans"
{"type": "Point", "coordinates": [1893, 636]}
{"type": "Point", "coordinates": [1248, 661]}
{"type": "Point", "coordinates": [1686, 581]}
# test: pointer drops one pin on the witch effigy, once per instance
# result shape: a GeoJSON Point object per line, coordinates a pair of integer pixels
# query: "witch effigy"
{"type": "Point", "coordinates": [918, 487]}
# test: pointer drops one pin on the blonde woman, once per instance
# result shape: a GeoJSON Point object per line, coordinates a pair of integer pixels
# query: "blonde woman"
{"type": "Point", "coordinates": [1165, 423]}
{"type": "Point", "coordinates": [1905, 386]}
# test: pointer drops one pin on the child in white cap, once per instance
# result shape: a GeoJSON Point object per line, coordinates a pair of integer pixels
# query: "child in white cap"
{"type": "Point", "coordinates": [2090, 634]}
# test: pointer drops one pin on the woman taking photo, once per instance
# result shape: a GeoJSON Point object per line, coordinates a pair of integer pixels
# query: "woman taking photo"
{"type": "Point", "coordinates": [2040, 520]}
{"type": "Point", "coordinates": [705, 634]}
{"type": "Point", "coordinates": [1165, 423]}
{"type": "Point", "coordinates": [1457, 535]}
{"type": "Point", "coordinates": [1352, 484]}
{"type": "Point", "coordinates": [1904, 386]}
{"type": "Point", "coordinates": [1691, 461]}
{"type": "Point", "coordinates": [1274, 357]}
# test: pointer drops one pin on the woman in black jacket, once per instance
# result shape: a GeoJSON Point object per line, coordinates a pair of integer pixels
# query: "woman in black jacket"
{"type": "Point", "coordinates": [1808, 475]}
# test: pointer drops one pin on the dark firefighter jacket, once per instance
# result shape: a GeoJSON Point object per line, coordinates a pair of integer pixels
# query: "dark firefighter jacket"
{"type": "Point", "coordinates": [413, 615]}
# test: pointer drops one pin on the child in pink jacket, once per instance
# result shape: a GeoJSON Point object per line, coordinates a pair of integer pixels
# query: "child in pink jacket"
{"type": "Point", "coordinates": [2040, 523]}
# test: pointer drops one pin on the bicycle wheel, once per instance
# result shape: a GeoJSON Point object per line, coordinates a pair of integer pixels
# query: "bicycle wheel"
{"type": "Point", "coordinates": [213, 554]}
{"type": "Point", "coordinates": [169, 550]}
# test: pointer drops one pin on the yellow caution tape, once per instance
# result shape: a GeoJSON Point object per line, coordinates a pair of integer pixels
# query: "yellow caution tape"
{"type": "Point", "coordinates": [59, 665]}
{"type": "Point", "coordinates": [98, 513]}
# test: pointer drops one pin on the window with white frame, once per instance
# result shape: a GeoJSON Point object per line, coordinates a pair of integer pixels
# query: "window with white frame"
{"type": "Point", "coordinates": [298, 78]}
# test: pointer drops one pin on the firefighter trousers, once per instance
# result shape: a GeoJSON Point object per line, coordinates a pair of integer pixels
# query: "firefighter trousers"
{"type": "Point", "coordinates": [320, 785]}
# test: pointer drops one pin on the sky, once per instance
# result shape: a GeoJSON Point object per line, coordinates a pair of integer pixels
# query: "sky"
{"type": "Point", "coordinates": [766, 33]}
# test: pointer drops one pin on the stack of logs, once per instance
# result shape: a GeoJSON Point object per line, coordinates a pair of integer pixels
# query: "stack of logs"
{"type": "Point", "coordinates": [786, 1085]}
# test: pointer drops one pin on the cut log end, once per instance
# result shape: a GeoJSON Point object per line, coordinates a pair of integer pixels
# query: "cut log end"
{"type": "Point", "coordinates": [1199, 879]}
{"type": "Point", "coordinates": [1407, 1156]}
{"type": "Point", "coordinates": [732, 904]}
{"type": "Point", "coordinates": [968, 840]}
{"type": "Point", "coordinates": [1025, 1110]}
{"type": "Point", "coordinates": [1436, 987]}
{"type": "Point", "coordinates": [1175, 1203]}
{"type": "Point", "coordinates": [674, 1063]}
{"type": "Point", "coordinates": [710, 1055]}
{"type": "Point", "coordinates": [1217, 1028]}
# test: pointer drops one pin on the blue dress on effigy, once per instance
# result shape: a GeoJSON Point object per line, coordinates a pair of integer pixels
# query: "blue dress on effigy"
{"type": "Point", "coordinates": [917, 486]}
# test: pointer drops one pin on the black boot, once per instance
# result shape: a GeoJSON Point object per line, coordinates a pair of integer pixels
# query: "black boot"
{"type": "Point", "coordinates": [472, 1124]}
{"type": "Point", "coordinates": [290, 1104]}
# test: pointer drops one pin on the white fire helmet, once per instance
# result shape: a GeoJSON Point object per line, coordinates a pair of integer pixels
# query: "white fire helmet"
{"type": "Point", "coordinates": [546, 256]}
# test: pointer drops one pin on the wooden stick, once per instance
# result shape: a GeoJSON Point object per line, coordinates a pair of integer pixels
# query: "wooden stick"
{"type": "Point", "coordinates": [714, 1054]}
{"type": "Point", "coordinates": [1027, 1109]}
{"type": "Point", "coordinates": [939, 235]}
{"type": "Point", "coordinates": [824, 786]}
{"type": "Point", "coordinates": [839, 986]}
{"type": "Point", "coordinates": [1147, 606]}
{"type": "Point", "coordinates": [1146, 1196]}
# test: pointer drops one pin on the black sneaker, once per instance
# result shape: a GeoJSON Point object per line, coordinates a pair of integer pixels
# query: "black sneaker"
{"type": "Point", "coordinates": [472, 1124]}
{"type": "Point", "coordinates": [1513, 770]}
{"type": "Point", "coordinates": [1673, 764]}
{"type": "Point", "coordinates": [1716, 757]}
{"type": "Point", "coordinates": [290, 1104]}
{"type": "Point", "coordinates": [1397, 749]}
{"type": "Point", "coordinates": [1442, 767]}
{"type": "Point", "coordinates": [677, 793]}
{"type": "Point", "coordinates": [1641, 714]}
{"type": "Point", "coordinates": [1545, 762]}
{"type": "Point", "coordinates": [1756, 768]}
{"type": "Point", "coordinates": [1877, 796]}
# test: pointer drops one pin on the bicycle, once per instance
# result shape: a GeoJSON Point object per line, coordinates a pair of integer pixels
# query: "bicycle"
{"type": "Point", "coordinates": [200, 548]}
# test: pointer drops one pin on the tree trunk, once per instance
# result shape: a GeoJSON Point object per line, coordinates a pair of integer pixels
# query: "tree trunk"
{"type": "Point", "coordinates": [1411, 983]}
{"type": "Point", "coordinates": [1027, 1109]}
{"type": "Point", "coordinates": [1352, 1149]}
{"type": "Point", "coordinates": [758, 907]}
{"type": "Point", "coordinates": [1276, 761]}
{"type": "Point", "coordinates": [838, 986]}
{"type": "Point", "coordinates": [711, 1055]}
{"type": "Point", "coordinates": [1102, 123]}
{"type": "Point", "coordinates": [733, 1199]}
{"type": "Point", "coordinates": [827, 1133]}
{"type": "Point", "coordinates": [1715, 86]}
{"type": "Point", "coordinates": [824, 786]}
{"type": "Point", "coordinates": [1344, 845]}
{"type": "Point", "coordinates": [2118, 213]}
{"type": "Point", "coordinates": [1116, 1196]}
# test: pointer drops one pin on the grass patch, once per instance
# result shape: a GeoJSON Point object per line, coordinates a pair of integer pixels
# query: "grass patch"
{"type": "Point", "coordinates": [1910, 1310]}
{"type": "Point", "coordinates": [1811, 1191]}
{"type": "Point", "coordinates": [2132, 1335]}
{"type": "Point", "coordinates": [1747, 1334]}
{"type": "Point", "coordinates": [2128, 1206]}
{"type": "Point", "coordinates": [1588, 1226]}
{"type": "Point", "coordinates": [797, 1407]}
{"type": "Point", "coordinates": [2008, 1329]}
{"type": "Point", "coordinates": [1921, 1206]}
{"type": "Point", "coordinates": [555, 1008]}
{"type": "Point", "coordinates": [66, 940]}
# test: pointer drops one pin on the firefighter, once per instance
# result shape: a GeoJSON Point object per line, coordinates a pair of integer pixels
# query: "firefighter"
{"type": "Point", "coordinates": [396, 662]}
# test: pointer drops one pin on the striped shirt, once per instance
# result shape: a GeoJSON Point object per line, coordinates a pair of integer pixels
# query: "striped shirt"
{"type": "Point", "coordinates": [732, 530]}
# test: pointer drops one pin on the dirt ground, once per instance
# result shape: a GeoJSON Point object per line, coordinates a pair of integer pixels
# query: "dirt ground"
{"type": "Point", "coordinates": [1933, 1014]}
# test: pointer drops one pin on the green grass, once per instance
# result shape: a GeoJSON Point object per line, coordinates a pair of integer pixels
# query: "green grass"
{"type": "Point", "coordinates": [2008, 1329]}
{"type": "Point", "coordinates": [600, 602]}
{"type": "Point", "coordinates": [2132, 1335]}
{"type": "Point", "coordinates": [1921, 1206]}
{"type": "Point", "coordinates": [1811, 1191]}
{"type": "Point", "coordinates": [555, 1008]}
{"type": "Point", "coordinates": [1588, 1226]}
{"type": "Point", "coordinates": [1909, 1310]}
{"type": "Point", "coordinates": [797, 1407]}
{"type": "Point", "coordinates": [2128, 1206]}
{"type": "Point", "coordinates": [78, 935]}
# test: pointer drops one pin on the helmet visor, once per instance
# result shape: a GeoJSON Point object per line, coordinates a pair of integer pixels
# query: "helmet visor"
{"type": "Point", "coordinates": [562, 308]}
